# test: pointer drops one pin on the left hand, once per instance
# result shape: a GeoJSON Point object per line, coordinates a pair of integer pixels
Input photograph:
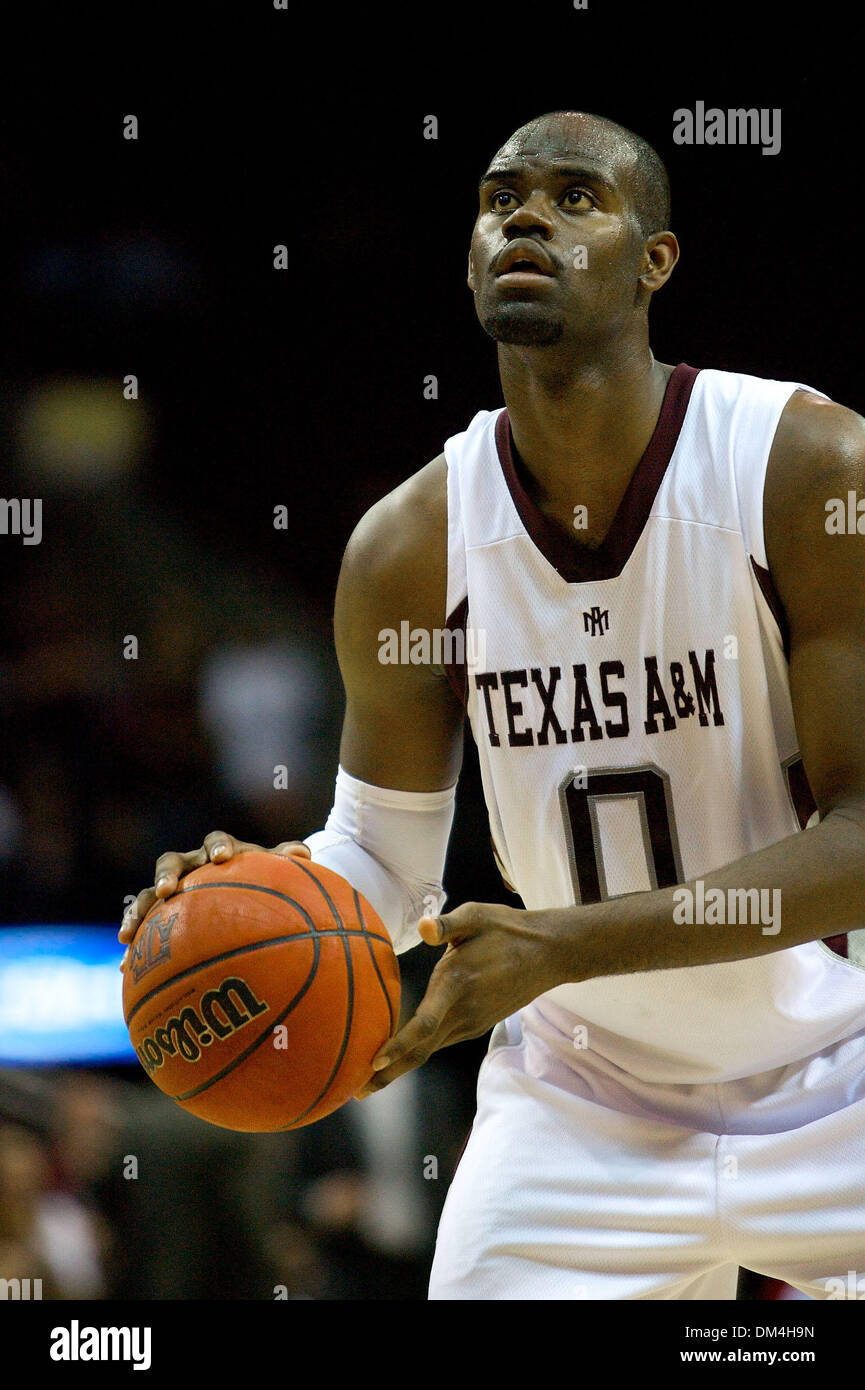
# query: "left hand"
{"type": "Point", "coordinates": [498, 959]}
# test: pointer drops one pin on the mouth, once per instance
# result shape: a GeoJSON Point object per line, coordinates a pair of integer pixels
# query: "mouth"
{"type": "Point", "coordinates": [524, 280]}
{"type": "Point", "coordinates": [524, 260]}
{"type": "Point", "coordinates": [524, 269]}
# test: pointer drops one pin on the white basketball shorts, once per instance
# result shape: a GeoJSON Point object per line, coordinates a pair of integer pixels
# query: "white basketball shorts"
{"type": "Point", "coordinates": [579, 1181]}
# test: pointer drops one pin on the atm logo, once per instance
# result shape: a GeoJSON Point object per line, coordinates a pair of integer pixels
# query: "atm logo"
{"type": "Point", "coordinates": [596, 621]}
{"type": "Point", "coordinates": [151, 945]}
{"type": "Point", "coordinates": [220, 1013]}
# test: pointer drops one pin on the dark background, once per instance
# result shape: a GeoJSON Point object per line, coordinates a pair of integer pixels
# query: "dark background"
{"type": "Point", "coordinates": [304, 388]}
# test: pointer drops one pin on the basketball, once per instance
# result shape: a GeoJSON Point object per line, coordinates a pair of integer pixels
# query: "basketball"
{"type": "Point", "coordinates": [257, 995]}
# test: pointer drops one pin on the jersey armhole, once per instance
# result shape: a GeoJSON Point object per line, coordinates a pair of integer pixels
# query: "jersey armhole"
{"type": "Point", "coordinates": [754, 427]}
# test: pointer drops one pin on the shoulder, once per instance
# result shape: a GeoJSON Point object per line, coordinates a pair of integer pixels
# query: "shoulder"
{"type": "Point", "coordinates": [817, 459]}
{"type": "Point", "coordinates": [395, 563]}
{"type": "Point", "coordinates": [818, 444]}
{"type": "Point", "coordinates": [403, 533]}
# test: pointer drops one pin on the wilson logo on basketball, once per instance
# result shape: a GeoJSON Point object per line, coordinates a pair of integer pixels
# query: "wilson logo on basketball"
{"type": "Point", "coordinates": [217, 1017]}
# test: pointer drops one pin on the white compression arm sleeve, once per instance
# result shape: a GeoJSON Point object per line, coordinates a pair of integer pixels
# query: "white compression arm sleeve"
{"type": "Point", "coordinates": [391, 846]}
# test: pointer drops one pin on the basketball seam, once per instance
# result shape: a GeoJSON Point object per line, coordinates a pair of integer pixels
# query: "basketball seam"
{"type": "Point", "coordinates": [349, 1009]}
{"type": "Point", "coordinates": [367, 935]}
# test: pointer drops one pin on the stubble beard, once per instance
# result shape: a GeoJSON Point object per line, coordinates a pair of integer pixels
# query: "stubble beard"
{"type": "Point", "coordinates": [522, 325]}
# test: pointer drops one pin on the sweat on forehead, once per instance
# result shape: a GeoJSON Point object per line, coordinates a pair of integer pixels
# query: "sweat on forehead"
{"type": "Point", "coordinates": [570, 132]}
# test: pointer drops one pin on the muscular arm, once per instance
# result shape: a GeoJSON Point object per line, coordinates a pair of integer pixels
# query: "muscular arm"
{"type": "Point", "coordinates": [403, 723]}
{"type": "Point", "coordinates": [819, 454]}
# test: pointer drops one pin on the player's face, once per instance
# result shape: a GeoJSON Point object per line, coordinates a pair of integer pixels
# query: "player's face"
{"type": "Point", "coordinates": [556, 250]}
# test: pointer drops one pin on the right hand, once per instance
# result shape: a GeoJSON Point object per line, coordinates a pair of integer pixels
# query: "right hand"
{"type": "Point", "coordinates": [218, 848]}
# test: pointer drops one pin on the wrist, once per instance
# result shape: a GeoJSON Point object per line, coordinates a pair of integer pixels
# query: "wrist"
{"type": "Point", "coordinates": [570, 935]}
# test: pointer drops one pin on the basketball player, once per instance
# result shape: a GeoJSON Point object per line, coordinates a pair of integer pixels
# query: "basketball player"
{"type": "Point", "coordinates": [670, 644]}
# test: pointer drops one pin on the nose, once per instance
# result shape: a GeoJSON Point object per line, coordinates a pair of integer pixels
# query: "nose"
{"type": "Point", "coordinates": [531, 217]}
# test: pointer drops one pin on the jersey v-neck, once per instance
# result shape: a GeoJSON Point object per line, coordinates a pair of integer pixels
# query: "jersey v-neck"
{"type": "Point", "coordinates": [580, 564]}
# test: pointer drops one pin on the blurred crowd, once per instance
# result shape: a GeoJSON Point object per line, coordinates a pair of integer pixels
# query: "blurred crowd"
{"type": "Point", "coordinates": [109, 1191]}
{"type": "Point", "coordinates": [150, 691]}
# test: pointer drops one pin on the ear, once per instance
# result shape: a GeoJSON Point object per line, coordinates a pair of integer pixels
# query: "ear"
{"type": "Point", "coordinates": [659, 259]}
{"type": "Point", "coordinates": [471, 273]}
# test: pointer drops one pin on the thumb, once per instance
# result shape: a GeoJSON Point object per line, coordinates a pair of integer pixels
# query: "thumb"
{"type": "Point", "coordinates": [430, 930]}
{"type": "Point", "coordinates": [463, 922]}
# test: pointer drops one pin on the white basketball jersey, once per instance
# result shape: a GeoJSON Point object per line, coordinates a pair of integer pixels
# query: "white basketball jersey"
{"type": "Point", "coordinates": [632, 713]}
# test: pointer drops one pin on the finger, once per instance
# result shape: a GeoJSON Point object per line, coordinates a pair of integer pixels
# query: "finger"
{"type": "Point", "coordinates": [293, 847]}
{"type": "Point", "coordinates": [144, 902]}
{"type": "Point", "coordinates": [219, 846]}
{"type": "Point", "coordinates": [171, 867]}
{"type": "Point", "coordinates": [135, 914]}
{"type": "Point", "coordinates": [409, 1048]}
{"type": "Point", "coordinates": [128, 926]}
{"type": "Point", "coordinates": [128, 923]}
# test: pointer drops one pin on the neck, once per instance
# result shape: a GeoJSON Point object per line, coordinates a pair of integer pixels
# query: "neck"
{"type": "Point", "coordinates": [581, 427]}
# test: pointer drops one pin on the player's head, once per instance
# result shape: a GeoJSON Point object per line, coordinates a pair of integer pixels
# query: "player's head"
{"type": "Point", "coordinates": [590, 202]}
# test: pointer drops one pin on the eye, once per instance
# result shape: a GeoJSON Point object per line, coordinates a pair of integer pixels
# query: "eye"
{"type": "Point", "coordinates": [573, 196]}
{"type": "Point", "coordinates": [494, 200]}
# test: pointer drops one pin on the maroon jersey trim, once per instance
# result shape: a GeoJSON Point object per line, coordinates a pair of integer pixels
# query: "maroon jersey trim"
{"type": "Point", "coordinates": [455, 671]}
{"type": "Point", "coordinates": [579, 564]}
{"type": "Point", "coordinates": [770, 594]}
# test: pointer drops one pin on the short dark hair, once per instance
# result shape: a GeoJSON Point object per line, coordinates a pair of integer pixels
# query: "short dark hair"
{"type": "Point", "coordinates": [651, 180]}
